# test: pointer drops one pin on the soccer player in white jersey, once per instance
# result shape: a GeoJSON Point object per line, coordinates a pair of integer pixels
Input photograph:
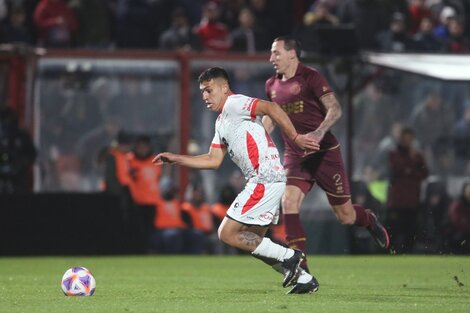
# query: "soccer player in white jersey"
{"type": "Point", "coordinates": [239, 131]}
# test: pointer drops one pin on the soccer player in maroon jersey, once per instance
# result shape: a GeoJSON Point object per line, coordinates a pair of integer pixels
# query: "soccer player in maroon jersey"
{"type": "Point", "coordinates": [306, 97]}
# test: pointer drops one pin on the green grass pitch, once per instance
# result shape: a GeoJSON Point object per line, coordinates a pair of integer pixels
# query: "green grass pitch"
{"type": "Point", "coordinates": [238, 284]}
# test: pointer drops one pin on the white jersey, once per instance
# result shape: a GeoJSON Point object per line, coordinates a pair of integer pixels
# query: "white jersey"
{"type": "Point", "coordinates": [249, 145]}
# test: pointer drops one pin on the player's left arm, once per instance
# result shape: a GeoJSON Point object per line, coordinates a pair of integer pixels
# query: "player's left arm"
{"type": "Point", "coordinates": [279, 117]}
{"type": "Point", "coordinates": [210, 160]}
{"type": "Point", "coordinates": [333, 114]}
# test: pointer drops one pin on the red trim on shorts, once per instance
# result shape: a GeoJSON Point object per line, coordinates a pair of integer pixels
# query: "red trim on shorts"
{"type": "Point", "coordinates": [255, 197]}
{"type": "Point", "coordinates": [217, 145]}
{"type": "Point", "coordinates": [253, 108]}
{"type": "Point", "coordinates": [253, 153]}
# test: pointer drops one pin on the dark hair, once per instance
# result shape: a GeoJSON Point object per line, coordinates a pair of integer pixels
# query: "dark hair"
{"type": "Point", "coordinates": [213, 73]}
{"type": "Point", "coordinates": [407, 131]}
{"type": "Point", "coordinates": [143, 139]}
{"type": "Point", "coordinates": [291, 43]}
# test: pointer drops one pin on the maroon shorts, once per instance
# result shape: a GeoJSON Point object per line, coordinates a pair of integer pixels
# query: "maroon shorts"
{"type": "Point", "coordinates": [325, 168]}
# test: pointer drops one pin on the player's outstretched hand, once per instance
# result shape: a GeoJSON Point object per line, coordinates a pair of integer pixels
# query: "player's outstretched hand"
{"type": "Point", "coordinates": [165, 157]}
{"type": "Point", "coordinates": [307, 143]}
{"type": "Point", "coordinates": [316, 136]}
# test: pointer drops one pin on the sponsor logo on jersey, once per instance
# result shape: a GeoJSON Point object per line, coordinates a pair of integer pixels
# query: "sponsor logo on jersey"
{"type": "Point", "coordinates": [295, 88]}
{"type": "Point", "coordinates": [266, 217]}
{"type": "Point", "coordinates": [293, 107]}
{"type": "Point", "coordinates": [273, 94]}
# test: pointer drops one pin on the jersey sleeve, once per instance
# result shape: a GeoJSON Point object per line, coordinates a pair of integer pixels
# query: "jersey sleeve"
{"type": "Point", "coordinates": [244, 109]}
{"type": "Point", "coordinates": [216, 142]}
{"type": "Point", "coordinates": [318, 84]}
{"type": "Point", "coordinates": [266, 89]}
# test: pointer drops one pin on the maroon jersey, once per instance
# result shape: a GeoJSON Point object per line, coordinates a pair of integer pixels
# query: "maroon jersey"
{"type": "Point", "coordinates": [299, 97]}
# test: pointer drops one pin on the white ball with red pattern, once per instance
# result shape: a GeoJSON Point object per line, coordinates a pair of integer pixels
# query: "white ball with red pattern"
{"type": "Point", "coordinates": [78, 281]}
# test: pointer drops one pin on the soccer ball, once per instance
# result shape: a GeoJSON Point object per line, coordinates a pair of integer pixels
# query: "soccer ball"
{"type": "Point", "coordinates": [78, 281]}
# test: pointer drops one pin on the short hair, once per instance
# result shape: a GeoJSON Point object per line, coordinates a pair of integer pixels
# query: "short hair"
{"type": "Point", "coordinates": [407, 131]}
{"type": "Point", "coordinates": [291, 43]}
{"type": "Point", "coordinates": [213, 73]}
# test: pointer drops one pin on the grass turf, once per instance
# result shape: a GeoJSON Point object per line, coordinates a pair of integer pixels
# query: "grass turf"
{"type": "Point", "coordinates": [238, 284]}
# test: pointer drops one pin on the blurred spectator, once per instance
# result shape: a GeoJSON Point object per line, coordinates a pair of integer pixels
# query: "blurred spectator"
{"type": "Point", "coordinates": [139, 23]}
{"type": "Point", "coordinates": [167, 235]}
{"type": "Point", "coordinates": [431, 120]}
{"type": "Point", "coordinates": [94, 18]}
{"type": "Point", "coordinates": [316, 20]}
{"type": "Point", "coordinates": [144, 185]}
{"type": "Point", "coordinates": [56, 23]}
{"type": "Point", "coordinates": [116, 165]}
{"type": "Point", "coordinates": [198, 216]}
{"type": "Point", "coordinates": [180, 35]}
{"type": "Point", "coordinates": [441, 31]}
{"type": "Point", "coordinates": [407, 172]}
{"type": "Point", "coordinates": [214, 35]}
{"type": "Point", "coordinates": [459, 215]}
{"type": "Point", "coordinates": [248, 37]}
{"type": "Point", "coordinates": [91, 144]}
{"type": "Point", "coordinates": [456, 41]}
{"type": "Point", "coordinates": [373, 107]}
{"type": "Point", "coordinates": [100, 96]}
{"type": "Point", "coordinates": [230, 12]}
{"type": "Point", "coordinates": [385, 146]}
{"type": "Point", "coordinates": [219, 209]}
{"type": "Point", "coordinates": [17, 155]}
{"type": "Point", "coordinates": [396, 38]}
{"type": "Point", "coordinates": [432, 219]}
{"type": "Point", "coordinates": [424, 39]}
{"type": "Point", "coordinates": [461, 138]}
{"type": "Point", "coordinates": [226, 196]}
{"type": "Point", "coordinates": [3, 9]}
{"type": "Point", "coordinates": [15, 30]}
{"type": "Point", "coordinates": [135, 105]}
{"type": "Point", "coordinates": [437, 6]}
{"type": "Point", "coordinates": [274, 16]}
{"type": "Point", "coordinates": [319, 14]}
{"type": "Point", "coordinates": [368, 17]}
{"type": "Point", "coordinates": [116, 173]}
{"type": "Point", "coordinates": [418, 11]}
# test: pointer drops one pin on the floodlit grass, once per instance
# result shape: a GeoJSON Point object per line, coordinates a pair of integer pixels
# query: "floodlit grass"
{"type": "Point", "coordinates": [238, 284]}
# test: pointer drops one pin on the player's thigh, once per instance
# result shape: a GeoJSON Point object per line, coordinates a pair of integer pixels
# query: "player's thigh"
{"type": "Point", "coordinates": [331, 176]}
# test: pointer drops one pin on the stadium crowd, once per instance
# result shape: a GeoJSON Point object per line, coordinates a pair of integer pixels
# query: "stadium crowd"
{"type": "Point", "coordinates": [90, 117]}
{"type": "Point", "coordinates": [234, 25]}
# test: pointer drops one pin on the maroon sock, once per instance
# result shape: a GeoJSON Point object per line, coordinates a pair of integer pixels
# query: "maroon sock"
{"type": "Point", "coordinates": [295, 235]}
{"type": "Point", "coordinates": [362, 216]}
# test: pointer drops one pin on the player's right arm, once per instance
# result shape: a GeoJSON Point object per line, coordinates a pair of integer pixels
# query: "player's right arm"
{"type": "Point", "coordinates": [210, 160]}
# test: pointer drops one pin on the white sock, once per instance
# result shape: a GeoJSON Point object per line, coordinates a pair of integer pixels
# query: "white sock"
{"type": "Point", "coordinates": [304, 277]}
{"type": "Point", "coordinates": [272, 250]}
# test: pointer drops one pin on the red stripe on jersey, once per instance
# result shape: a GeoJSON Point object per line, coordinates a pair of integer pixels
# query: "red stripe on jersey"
{"type": "Point", "coordinates": [255, 197]}
{"type": "Point", "coordinates": [253, 108]}
{"type": "Point", "coordinates": [216, 145]}
{"type": "Point", "coordinates": [253, 153]}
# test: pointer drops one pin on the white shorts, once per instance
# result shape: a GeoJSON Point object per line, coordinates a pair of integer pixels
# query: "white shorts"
{"type": "Point", "coordinates": [258, 204]}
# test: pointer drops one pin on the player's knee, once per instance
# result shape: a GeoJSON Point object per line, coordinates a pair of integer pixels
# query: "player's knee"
{"type": "Point", "coordinates": [289, 205]}
{"type": "Point", "coordinates": [223, 235]}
